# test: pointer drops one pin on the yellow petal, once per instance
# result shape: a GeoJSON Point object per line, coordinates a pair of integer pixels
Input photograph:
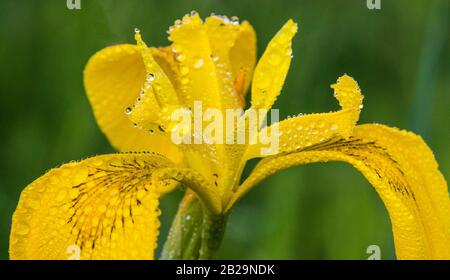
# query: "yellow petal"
{"type": "Point", "coordinates": [232, 69]}
{"type": "Point", "coordinates": [105, 207]}
{"type": "Point", "coordinates": [272, 68]}
{"type": "Point", "coordinates": [243, 57]}
{"type": "Point", "coordinates": [113, 79]}
{"type": "Point", "coordinates": [403, 171]}
{"type": "Point", "coordinates": [198, 79]}
{"type": "Point", "coordinates": [302, 131]}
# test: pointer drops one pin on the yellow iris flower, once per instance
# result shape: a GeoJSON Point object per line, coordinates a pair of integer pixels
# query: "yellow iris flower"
{"type": "Point", "coordinates": [107, 205]}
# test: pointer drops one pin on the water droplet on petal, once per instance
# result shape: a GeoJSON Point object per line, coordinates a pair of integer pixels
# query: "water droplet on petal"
{"type": "Point", "coordinates": [180, 57]}
{"type": "Point", "coordinates": [178, 23]}
{"type": "Point", "coordinates": [215, 58]}
{"type": "Point", "coordinates": [150, 77]}
{"type": "Point", "coordinates": [198, 62]}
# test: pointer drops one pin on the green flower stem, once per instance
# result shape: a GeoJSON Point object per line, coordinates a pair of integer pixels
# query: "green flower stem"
{"type": "Point", "coordinates": [213, 229]}
{"type": "Point", "coordinates": [196, 233]}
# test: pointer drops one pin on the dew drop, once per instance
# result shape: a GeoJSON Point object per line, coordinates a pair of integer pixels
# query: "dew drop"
{"type": "Point", "coordinates": [198, 63]}
{"type": "Point", "coordinates": [178, 23]}
{"type": "Point", "coordinates": [215, 58]}
{"type": "Point", "coordinates": [150, 77]}
{"type": "Point", "coordinates": [289, 52]}
{"type": "Point", "coordinates": [128, 110]}
{"type": "Point", "coordinates": [180, 57]}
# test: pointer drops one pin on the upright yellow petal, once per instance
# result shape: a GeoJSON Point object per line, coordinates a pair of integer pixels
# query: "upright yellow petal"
{"type": "Point", "coordinates": [243, 57]}
{"type": "Point", "coordinates": [105, 207]}
{"type": "Point", "coordinates": [403, 171]}
{"type": "Point", "coordinates": [113, 79]}
{"type": "Point", "coordinates": [198, 79]}
{"type": "Point", "coordinates": [306, 130]}
{"type": "Point", "coordinates": [272, 68]}
{"type": "Point", "coordinates": [233, 63]}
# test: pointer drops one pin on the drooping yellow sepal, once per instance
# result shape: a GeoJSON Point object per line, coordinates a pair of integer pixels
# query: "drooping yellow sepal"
{"type": "Point", "coordinates": [403, 171]}
{"type": "Point", "coordinates": [105, 207]}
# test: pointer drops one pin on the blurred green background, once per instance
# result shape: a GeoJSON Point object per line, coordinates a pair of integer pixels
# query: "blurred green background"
{"type": "Point", "coordinates": [399, 55]}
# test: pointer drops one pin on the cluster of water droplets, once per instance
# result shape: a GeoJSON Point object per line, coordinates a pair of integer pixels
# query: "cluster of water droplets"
{"type": "Point", "coordinates": [294, 116]}
{"type": "Point", "coordinates": [179, 22]}
{"type": "Point", "coordinates": [304, 134]}
{"type": "Point", "coordinates": [147, 84]}
{"type": "Point", "coordinates": [226, 20]}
